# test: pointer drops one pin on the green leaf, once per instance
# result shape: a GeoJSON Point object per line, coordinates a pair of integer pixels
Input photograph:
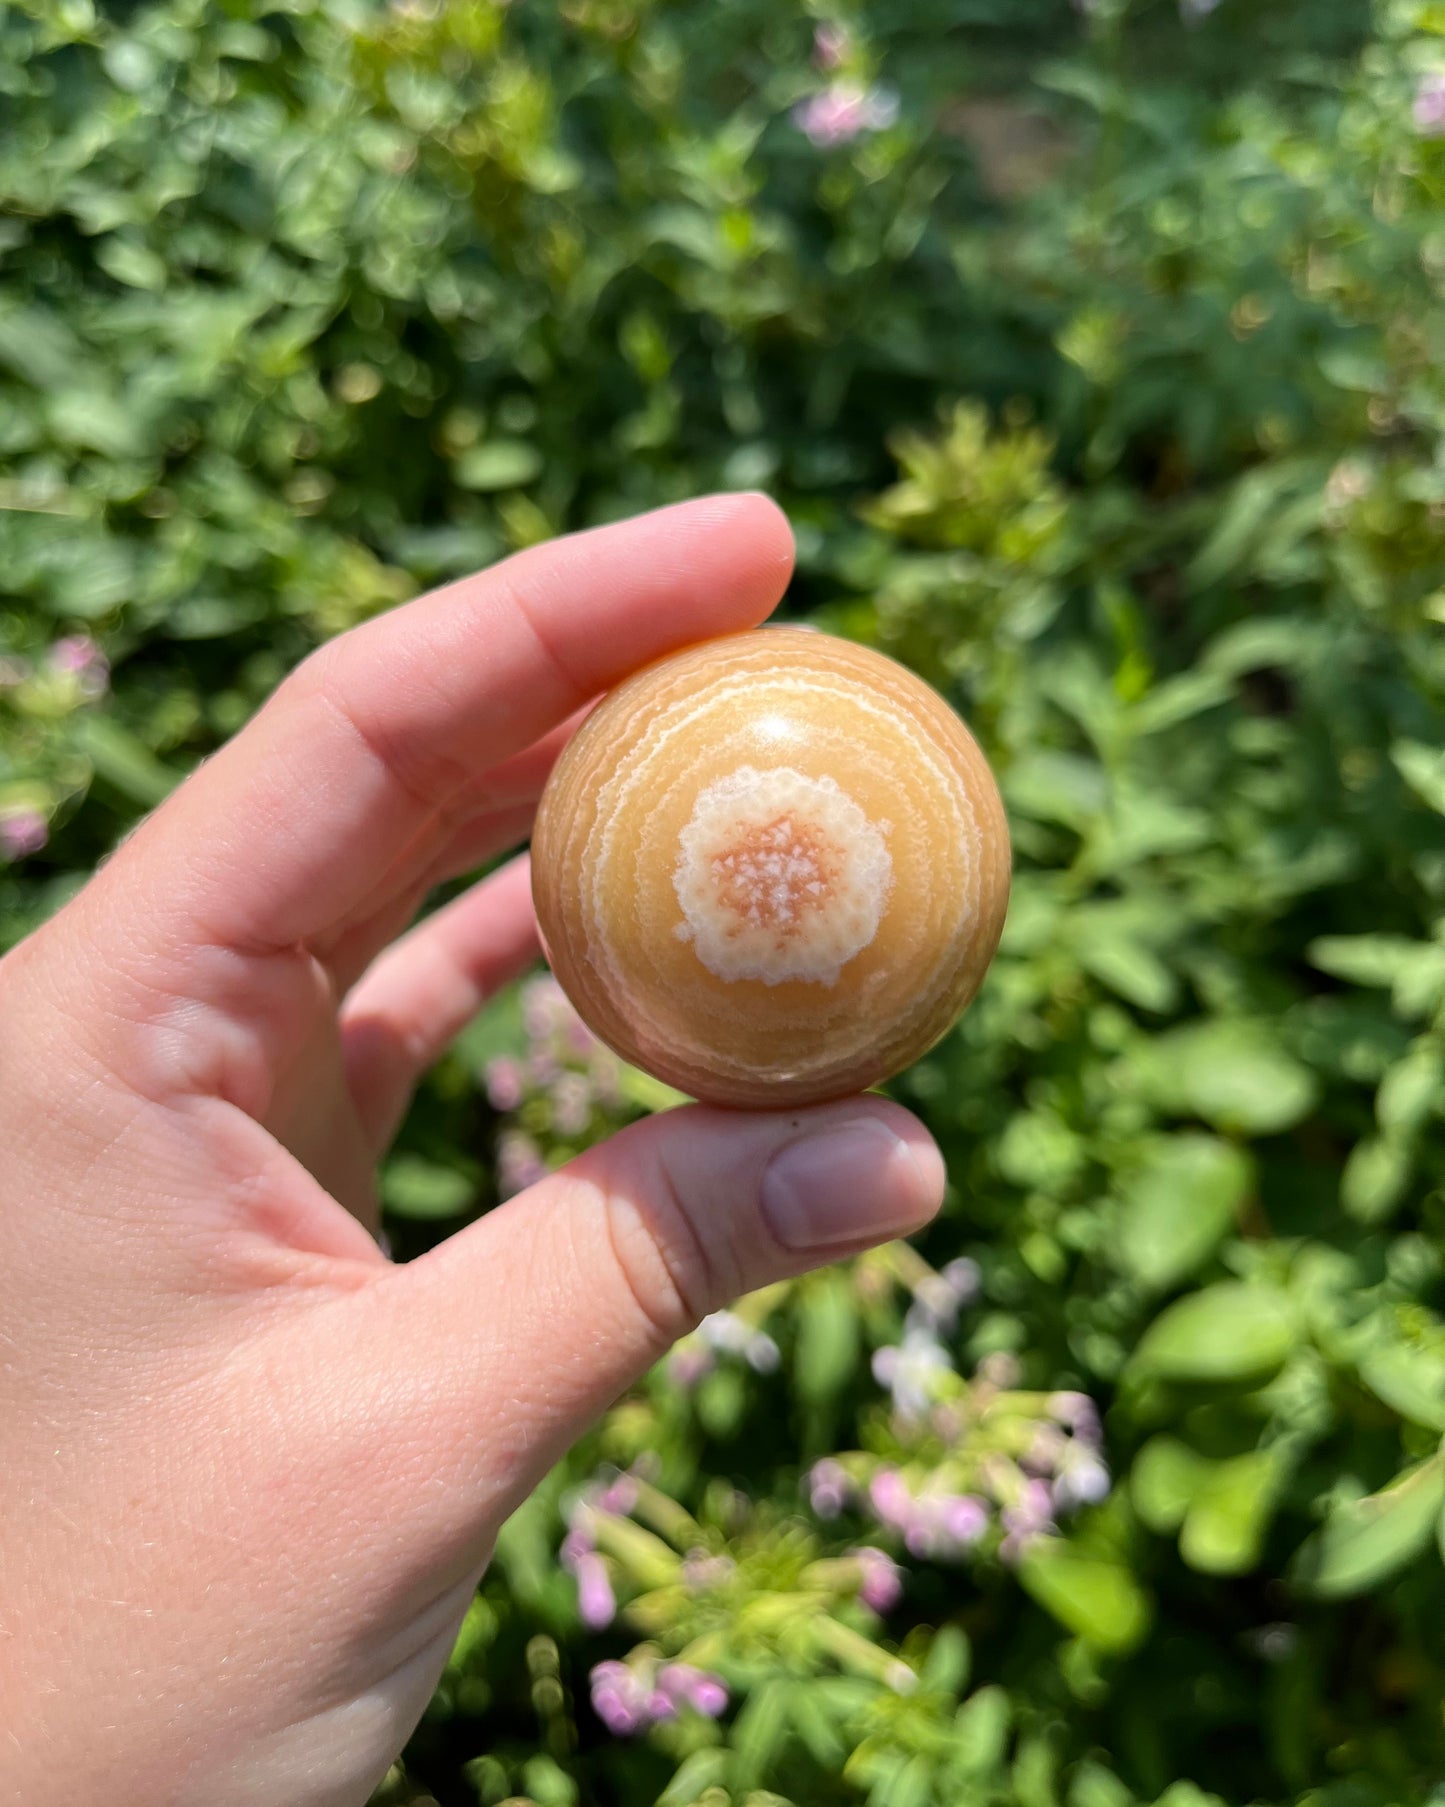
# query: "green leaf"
{"type": "Point", "coordinates": [1234, 1331]}
{"type": "Point", "coordinates": [827, 1347]}
{"type": "Point", "coordinates": [1247, 513]}
{"type": "Point", "coordinates": [1177, 1205]}
{"type": "Point", "coordinates": [759, 1732]}
{"type": "Point", "coordinates": [817, 1728]}
{"type": "Point", "coordinates": [1367, 959]}
{"type": "Point", "coordinates": [1094, 1786]}
{"type": "Point", "coordinates": [1364, 1542]}
{"type": "Point", "coordinates": [423, 1190]}
{"type": "Point", "coordinates": [1164, 1480]}
{"type": "Point", "coordinates": [1223, 1531]}
{"type": "Point", "coordinates": [123, 761]}
{"type": "Point", "coordinates": [701, 1771]}
{"type": "Point", "coordinates": [1412, 1088]}
{"type": "Point", "coordinates": [945, 1669]}
{"type": "Point", "coordinates": [498, 464]}
{"type": "Point", "coordinates": [1057, 787]}
{"type": "Point", "coordinates": [980, 1731]}
{"type": "Point", "coordinates": [1423, 769]}
{"type": "Point", "coordinates": [1375, 1176]}
{"type": "Point", "coordinates": [1099, 1601]}
{"type": "Point", "coordinates": [1232, 1072]}
{"type": "Point", "coordinates": [1130, 970]}
{"type": "Point", "coordinates": [1410, 1380]}
{"type": "Point", "coordinates": [912, 1786]}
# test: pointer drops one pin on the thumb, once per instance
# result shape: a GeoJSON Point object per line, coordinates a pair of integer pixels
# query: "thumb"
{"type": "Point", "coordinates": [526, 1326]}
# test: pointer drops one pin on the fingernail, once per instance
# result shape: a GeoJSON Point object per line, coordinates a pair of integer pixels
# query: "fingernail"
{"type": "Point", "coordinates": [857, 1182]}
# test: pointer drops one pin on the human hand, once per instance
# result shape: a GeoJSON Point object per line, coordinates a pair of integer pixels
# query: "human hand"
{"type": "Point", "coordinates": [251, 1469]}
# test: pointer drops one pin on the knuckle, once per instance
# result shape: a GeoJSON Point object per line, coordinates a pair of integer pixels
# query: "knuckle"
{"type": "Point", "coordinates": [395, 738]}
{"type": "Point", "coordinates": [663, 1259]}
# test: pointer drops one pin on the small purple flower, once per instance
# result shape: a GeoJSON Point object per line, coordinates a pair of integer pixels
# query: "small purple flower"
{"type": "Point", "coordinates": [78, 655]}
{"type": "Point", "coordinates": [519, 1162]}
{"type": "Point", "coordinates": [911, 1371]}
{"type": "Point", "coordinates": [938, 1299]}
{"type": "Point", "coordinates": [891, 1499]}
{"type": "Point", "coordinates": [881, 1587]}
{"type": "Point", "coordinates": [1046, 1450]}
{"type": "Point", "coordinates": [831, 45]}
{"type": "Point", "coordinates": [503, 1079]}
{"type": "Point", "coordinates": [1030, 1517]}
{"type": "Point", "coordinates": [618, 1497]}
{"type": "Point", "coordinates": [686, 1686]}
{"type": "Point", "coordinates": [1083, 1480]}
{"type": "Point", "coordinates": [541, 1069]}
{"type": "Point", "coordinates": [22, 832]}
{"type": "Point", "coordinates": [700, 1571]}
{"type": "Point", "coordinates": [619, 1699]}
{"type": "Point", "coordinates": [762, 1353]}
{"type": "Point", "coordinates": [545, 1010]}
{"type": "Point", "coordinates": [596, 1602]}
{"type": "Point", "coordinates": [843, 112]}
{"type": "Point", "coordinates": [571, 1098]}
{"type": "Point", "coordinates": [828, 1487]}
{"type": "Point", "coordinates": [1429, 108]}
{"type": "Point", "coordinates": [724, 1331]}
{"type": "Point", "coordinates": [965, 1520]}
{"type": "Point", "coordinates": [1078, 1413]}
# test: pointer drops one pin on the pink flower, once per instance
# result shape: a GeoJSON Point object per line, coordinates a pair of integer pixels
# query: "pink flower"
{"type": "Point", "coordinates": [683, 1685]}
{"type": "Point", "coordinates": [1429, 108]}
{"type": "Point", "coordinates": [78, 655]}
{"type": "Point", "coordinates": [965, 1519]}
{"type": "Point", "coordinates": [881, 1587]}
{"type": "Point", "coordinates": [596, 1602]}
{"type": "Point", "coordinates": [571, 1104]}
{"type": "Point", "coordinates": [619, 1699]}
{"type": "Point", "coordinates": [890, 1498]}
{"type": "Point", "coordinates": [1078, 1412]}
{"type": "Point", "coordinates": [1030, 1517]}
{"type": "Point", "coordinates": [1082, 1480]}
{"type": "Point", "coordinates": [504, 1084]}
{"type": "Point", "coordinates": [843, 111]}
{"type": "Point", "coordinates": [22, 832]}
{"type": "Point", "coordinates": [828, 1487]}
{"type": "Point", "coordinates": [831, 44]}
{"type": "Point", "coordinates": [618, 1497]}
{"type": "Point", "coordinates": [519, 1162]}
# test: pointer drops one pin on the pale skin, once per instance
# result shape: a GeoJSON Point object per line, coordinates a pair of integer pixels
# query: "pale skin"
{"type": "Point", "coordinates": [250, 1469]}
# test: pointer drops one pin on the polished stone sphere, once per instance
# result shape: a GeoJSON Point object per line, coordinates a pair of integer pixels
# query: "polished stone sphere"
{"type": "Point", "coordinates": [771, 869]}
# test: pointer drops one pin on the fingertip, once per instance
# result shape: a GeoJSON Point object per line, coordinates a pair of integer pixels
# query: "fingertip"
{"type": "Point", "coordinates": [755, 527]}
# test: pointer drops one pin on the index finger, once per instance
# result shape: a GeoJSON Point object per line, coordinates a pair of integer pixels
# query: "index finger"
{"type": "Point", "coordinates": [292, 825]}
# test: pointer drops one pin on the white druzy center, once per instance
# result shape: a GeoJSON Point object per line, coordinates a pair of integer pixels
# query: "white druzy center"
{"type": "Point", "coordinates": [780, 876]}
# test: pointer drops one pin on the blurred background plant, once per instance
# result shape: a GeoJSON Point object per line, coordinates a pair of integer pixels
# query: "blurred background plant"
{"type": "Point", "coordinates": [1096, 352]}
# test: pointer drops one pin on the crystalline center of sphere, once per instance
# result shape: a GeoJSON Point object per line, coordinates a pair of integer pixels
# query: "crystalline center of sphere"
{"type": "Point", "coordinates": [780, 876]}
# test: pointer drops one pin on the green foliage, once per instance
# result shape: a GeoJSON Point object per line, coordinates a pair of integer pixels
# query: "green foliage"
{"type": "Point", "coordinates": [1103, 385]}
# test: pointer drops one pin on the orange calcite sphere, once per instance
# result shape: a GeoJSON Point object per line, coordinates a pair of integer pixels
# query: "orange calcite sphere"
{"type": "Point", "coordinates": [772, 869]}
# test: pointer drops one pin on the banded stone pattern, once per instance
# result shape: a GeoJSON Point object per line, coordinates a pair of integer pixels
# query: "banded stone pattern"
{"type": "Point", "coordinates": [771, 869]}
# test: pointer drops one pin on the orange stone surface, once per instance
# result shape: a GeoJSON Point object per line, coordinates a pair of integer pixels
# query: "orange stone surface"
{"type": "Point", "coordinates": [772, 869]}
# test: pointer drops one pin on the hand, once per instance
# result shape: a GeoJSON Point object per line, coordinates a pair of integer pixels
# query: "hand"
{"type": "Point", "coordinates": [251, 1470]}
